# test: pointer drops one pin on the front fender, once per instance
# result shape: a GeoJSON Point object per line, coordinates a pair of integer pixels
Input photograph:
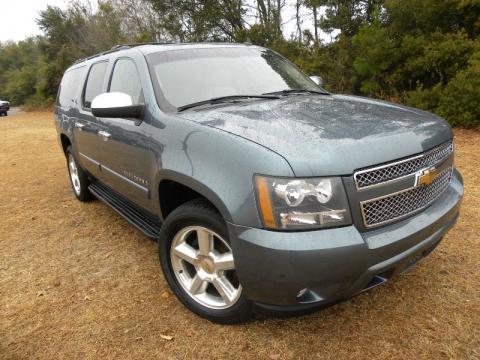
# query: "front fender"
{"type": "Point", "coordinates": [218, 165]}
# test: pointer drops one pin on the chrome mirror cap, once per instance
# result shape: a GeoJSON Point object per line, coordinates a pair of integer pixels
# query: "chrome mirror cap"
{"type": "Point", "coordinates": [111, 100]}
{"type": "Point", "coordinates": [116, 105]}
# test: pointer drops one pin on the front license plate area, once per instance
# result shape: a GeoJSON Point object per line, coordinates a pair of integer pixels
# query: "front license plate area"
{"type": "Point", "coordinates": [412, 261]}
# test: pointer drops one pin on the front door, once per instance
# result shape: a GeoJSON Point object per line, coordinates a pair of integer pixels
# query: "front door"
{"type": "Point", "coordinates": [126, 161]}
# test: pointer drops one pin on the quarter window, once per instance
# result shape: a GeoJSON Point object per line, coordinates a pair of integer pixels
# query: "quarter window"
{"type": "Point", "coordinates": [125, 79]}
{"type": "Point", "coordinates": [69, 87]}
{"type": "Point", "coordinates": [94, 83]}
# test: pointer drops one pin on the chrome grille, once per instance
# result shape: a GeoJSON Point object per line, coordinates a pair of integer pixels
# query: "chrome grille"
{"type": "Point", "coordinates": [398, 169]}
{"type": "Point", "coordinates": [401, 204]}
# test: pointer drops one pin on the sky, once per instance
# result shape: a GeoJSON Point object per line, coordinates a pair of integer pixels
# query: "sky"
{"type": "Point", "coordinates": [18, 18]}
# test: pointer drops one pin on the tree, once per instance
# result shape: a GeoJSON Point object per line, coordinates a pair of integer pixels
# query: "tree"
{"type": "Point", "coordinates": [19, 76]}
{"type": "Point", "coordinates": [424, 53]}
{"type": "Point", "coordinates": [348, 15]}
{"type": "Point", "coordinates": [194, 20]}
{"type": "Point", "coordinates": [314, 5]}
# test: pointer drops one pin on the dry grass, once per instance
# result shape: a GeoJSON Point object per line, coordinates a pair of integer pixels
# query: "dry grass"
{"type": "Point", "coordinates": [77, 281]}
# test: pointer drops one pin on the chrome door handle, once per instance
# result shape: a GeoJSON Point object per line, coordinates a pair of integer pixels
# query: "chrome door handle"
{"type": "Point", "coordinates": [104, 134]}
{"type": "Point", "coordinates": [80, 126]}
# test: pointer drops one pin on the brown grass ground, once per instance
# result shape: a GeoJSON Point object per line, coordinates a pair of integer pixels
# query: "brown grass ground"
{"type": "Point", "coordinates": [77, 281]}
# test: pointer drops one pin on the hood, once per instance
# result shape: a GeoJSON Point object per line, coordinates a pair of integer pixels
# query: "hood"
{"type": "Point", "coordinates": [329, 135]}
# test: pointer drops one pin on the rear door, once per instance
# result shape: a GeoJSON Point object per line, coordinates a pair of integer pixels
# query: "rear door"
{"type": "Point", "coordinates": [87, 127]}
{"type": "Point", "coordinates": [127, 159]}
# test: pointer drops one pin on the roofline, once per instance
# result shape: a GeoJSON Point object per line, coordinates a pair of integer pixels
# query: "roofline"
{"type": "Point", "coordinates": [130, 46]}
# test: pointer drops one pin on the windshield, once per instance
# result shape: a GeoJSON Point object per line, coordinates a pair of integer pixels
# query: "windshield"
{"type": "Point", "coordinates": [183, 77]}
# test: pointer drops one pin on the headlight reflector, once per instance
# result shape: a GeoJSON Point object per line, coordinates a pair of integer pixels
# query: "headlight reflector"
{"type": "Point", "coordinates": [292, 203]}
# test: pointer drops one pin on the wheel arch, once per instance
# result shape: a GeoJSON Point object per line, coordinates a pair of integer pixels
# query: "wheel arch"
{"type": "Point", "coordinates": [65, 142]}
{"type": "Point", "coordinates": [168, 200]}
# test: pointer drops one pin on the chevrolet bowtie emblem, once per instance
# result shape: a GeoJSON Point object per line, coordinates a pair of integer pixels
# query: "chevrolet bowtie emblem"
{"type": "Point", "coordinates": [426, 176]}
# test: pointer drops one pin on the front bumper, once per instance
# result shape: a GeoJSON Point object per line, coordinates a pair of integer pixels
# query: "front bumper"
{"type": "Point", "coordinates": [296, 270]}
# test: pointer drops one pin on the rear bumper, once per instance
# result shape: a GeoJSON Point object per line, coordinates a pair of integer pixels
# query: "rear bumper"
{"type": "Point", "coordinates": [298, 270]}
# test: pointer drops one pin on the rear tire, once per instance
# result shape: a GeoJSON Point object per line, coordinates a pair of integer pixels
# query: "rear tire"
{"type": "Point", "coordinates": [197, 262]}
{"type": "Point", "coordinates": [78, 178]}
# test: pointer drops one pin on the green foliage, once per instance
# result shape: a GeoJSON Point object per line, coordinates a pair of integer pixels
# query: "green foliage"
{"type": "Point", "coordinates": [424, 53]}
{"type": "Point", "coordinates": [19, 76]}
{"type": "Point", "coordinates": [459, 103]}
{"type": "Point", "coordinates": [418, 52]}
{"type": "Point", "coordinates": [191, 20]}
{"type": "Point", "coordinates": [73, 34]}
{"type": "Point", "coordinates": [456, 101]}
{"type": "Point", "coordinates": [261, 35]}
{"type": "Point", "coordinates": [32, 69]}
{"type": "Point", "coordinates": [348, 15]}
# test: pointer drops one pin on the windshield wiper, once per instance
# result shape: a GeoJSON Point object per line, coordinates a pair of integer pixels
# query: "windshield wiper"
{"type": "Point", "coordinates": [297, 91]}
{"type": "Point", "coordinates": [221, 99]}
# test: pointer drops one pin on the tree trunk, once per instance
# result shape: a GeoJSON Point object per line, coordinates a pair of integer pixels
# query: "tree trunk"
{"type": "Point", "coordinates": [263, 13]}
{"type": "Point", "coordinates": [299, 24]}
{"type": "Point", "coordinates": [278, 18]}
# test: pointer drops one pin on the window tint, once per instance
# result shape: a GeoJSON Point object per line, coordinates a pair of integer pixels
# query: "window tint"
{"type": "Point", "coordinates": [69, 87]}
{"type": "Point", "coordinates": [94, 83]}
{"type": "Point", "coordinates": [125, 79]}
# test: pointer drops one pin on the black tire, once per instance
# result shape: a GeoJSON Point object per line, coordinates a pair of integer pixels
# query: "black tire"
{"type": "Point", "coordinates": [80, 189]}
{"type": "Point", "coordinates": [5, 113]}
{"type": "Point", "coordinates": [198, 213]}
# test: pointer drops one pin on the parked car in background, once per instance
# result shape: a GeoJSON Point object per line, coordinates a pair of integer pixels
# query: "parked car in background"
{"type": "Point", "coordinates": [263, 190]}
{"type": "Point", "coordinates": [4, 107]}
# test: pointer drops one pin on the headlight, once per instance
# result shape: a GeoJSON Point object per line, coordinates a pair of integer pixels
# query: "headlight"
{"type": "Point", "coordinates": [291, 203]}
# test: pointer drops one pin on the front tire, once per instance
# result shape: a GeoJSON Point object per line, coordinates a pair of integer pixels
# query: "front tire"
{"type": "Point", "coordinates": [198, 264]}
{"type": "Point", "coordinates": [78, 178]}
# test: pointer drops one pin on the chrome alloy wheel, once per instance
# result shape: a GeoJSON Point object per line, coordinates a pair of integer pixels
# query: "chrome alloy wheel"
{"type": "Point", "coordinates": [72, 166]}
{"type": "Point", "coordinates": [203, 265]}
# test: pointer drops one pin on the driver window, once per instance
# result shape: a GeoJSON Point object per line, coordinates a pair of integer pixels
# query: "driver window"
{"type": "Point", "coordinates": [125, 79]}
{"type": "Point", "coordinates": [94, 83]}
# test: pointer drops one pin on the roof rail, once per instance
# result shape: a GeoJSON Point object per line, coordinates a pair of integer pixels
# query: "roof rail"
{"type": "Point", "coordinates": [97, 55]}
{"type": "Point", "coordinates": [140, 44]}
{"type": "Point", "coordinates": [118, 48]}
{"type": "Point", "coordinates": [128, 46]}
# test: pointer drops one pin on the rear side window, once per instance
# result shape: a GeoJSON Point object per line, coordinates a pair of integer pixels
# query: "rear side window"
{"type": "Point", "coordinates": [94, 83]}
{"type": "Point", "coordinates": [125, 79]}
{"type": "Point", "coordinates": [69, 87]}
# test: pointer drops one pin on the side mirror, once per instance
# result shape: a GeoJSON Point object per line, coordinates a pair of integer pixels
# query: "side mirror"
{"type": "Point", "coordinates": [317, 80]}
{"type": "Point", "coordinates": [116, 105]}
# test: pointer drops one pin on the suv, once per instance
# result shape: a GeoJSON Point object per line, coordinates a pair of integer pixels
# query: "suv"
{"type": "Point", "coordinates": [4, 107]}
{"type": "Point", "coordinates": [263, 190]}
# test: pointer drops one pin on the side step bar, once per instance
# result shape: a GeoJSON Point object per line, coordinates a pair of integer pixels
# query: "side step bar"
{"type": "Point", "coordinates": [132, 213]}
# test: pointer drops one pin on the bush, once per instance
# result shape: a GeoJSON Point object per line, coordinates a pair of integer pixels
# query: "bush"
{"type": "Point", "coordinates": [425, 98]}
{"type": "Point", "coordinates": [459, 103]}
{"type": "Point", "coordinates": [456, 101]}
{"type": "Point", "coordinates": [38, 102]}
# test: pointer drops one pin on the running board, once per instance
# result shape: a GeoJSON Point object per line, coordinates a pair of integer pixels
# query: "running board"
{"type": "Point", "coordinates": [132, 213]}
